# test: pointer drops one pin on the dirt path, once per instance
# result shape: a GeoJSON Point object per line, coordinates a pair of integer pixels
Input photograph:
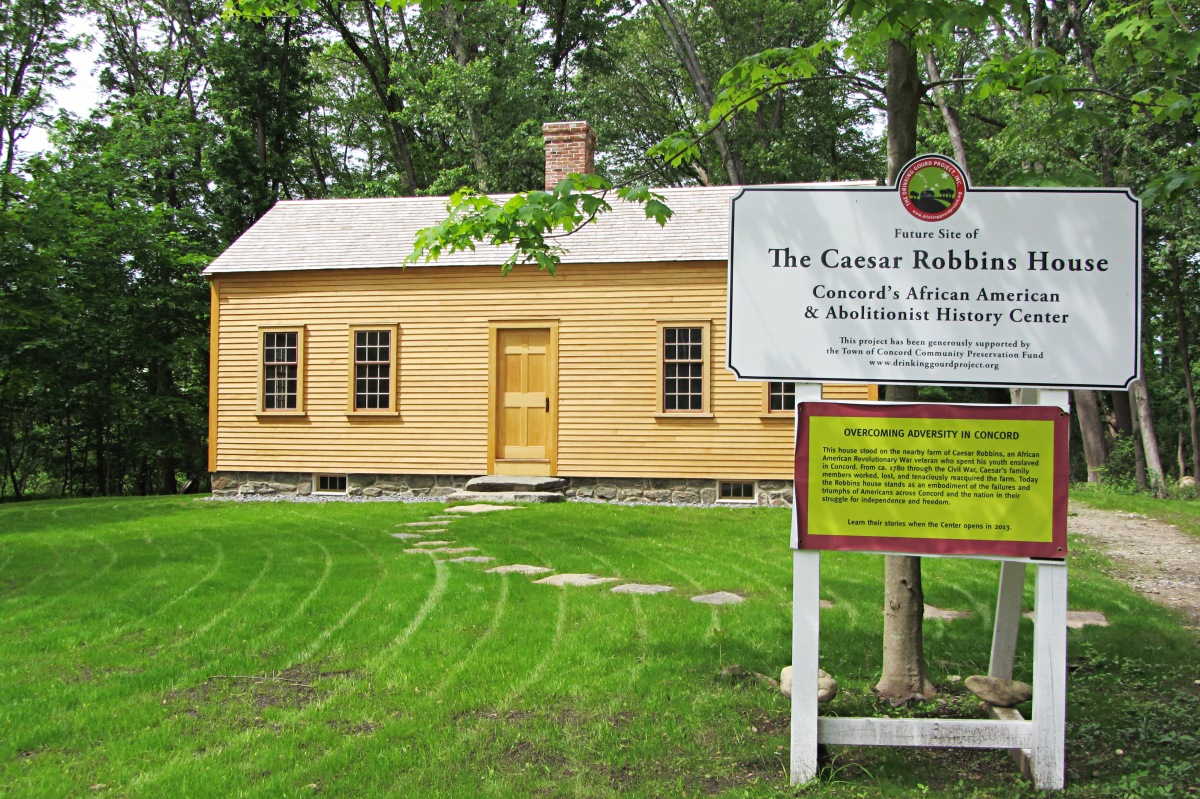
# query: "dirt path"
{"type": "Point", "coordinates": [1155, 558]}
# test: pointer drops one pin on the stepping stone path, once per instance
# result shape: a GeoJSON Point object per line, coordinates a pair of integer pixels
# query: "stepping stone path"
{"type": "Point", "coordinates": [1078, 619]}
{"type": "Point", "coordinates": [932, 612]}
{"type": "Point", "coordinates": [640, 588]}
{"type": "Point", "coordinates": [472, 509]}
{"type": "Point", "coordinates": [575, 580]}
{"type": "Point", "coordinates": [437, 524]}
{"type": "Point", "coordinates": [518, 568]}
{"type": "Point", "coordinates": [719, 598]}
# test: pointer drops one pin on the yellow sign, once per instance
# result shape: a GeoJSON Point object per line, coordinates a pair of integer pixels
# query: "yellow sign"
{"type": "Point", "coordinates": [933, 478]}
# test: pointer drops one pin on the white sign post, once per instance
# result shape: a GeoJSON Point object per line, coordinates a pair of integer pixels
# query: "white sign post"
{"type": "Point", "coordinates": [936, 283]}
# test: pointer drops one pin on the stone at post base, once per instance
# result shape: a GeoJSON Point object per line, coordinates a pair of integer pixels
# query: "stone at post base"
{"type": "Point", "coordinates": [827, 687]}
{"type": "Point", "coordinates": [999, 692]}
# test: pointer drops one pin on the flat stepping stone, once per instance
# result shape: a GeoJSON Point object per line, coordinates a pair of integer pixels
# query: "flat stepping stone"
{"type": "Point", "coordinates": [518, 568]}
{"type": "Point", "coordinates": [578, 580]}
{"type": "Point", "coordinates": [479, 508]}
{"type": "Point", "coordinates": [932, 612]}
{"type": "Point", "coordinates": [404, 536]}
{"type": "Point", "coordinates": [719, 598]}
{"type": "Point", "coordinates": [421, 524]}
{"type": "Point", "coordinates": [641, 588]}
{"type": "Point", "coordinates": [433, 543]}
{"type": "Point", "coordinates": [472, 559]}
{"type": "Point", "coordinates": [1078, 619]}
{"type": "Point", "coordinates": [501, 482]}
{"type": "Point", "coordinates": [826, 604]}
{"type": "Point", "coordinates": [443, 519]}
{"type": "Point", "coordinates": [452, 550]}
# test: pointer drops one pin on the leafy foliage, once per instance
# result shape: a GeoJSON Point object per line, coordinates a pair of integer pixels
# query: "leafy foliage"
{"type": "Point", "coordinates": [527, 221]}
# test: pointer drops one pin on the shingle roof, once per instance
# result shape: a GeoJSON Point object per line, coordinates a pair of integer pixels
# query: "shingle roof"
{"type": "Point", "coordinates": [358, 233]}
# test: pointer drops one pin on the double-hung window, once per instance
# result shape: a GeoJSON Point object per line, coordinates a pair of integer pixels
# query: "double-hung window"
{"type": "Point", "coordinates": [684, 366]}
{"type": "Point", "coordinates": [373, 369]}
{"type": "Point", "coordinates": [282, 369]}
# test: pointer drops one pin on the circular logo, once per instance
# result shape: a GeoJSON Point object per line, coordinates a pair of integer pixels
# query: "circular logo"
{"type": "Point", "coordinates": [932, 188]}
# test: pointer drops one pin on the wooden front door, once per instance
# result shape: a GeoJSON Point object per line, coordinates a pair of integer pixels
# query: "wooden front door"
{"type": "Point", "coordinates": [524, 410]}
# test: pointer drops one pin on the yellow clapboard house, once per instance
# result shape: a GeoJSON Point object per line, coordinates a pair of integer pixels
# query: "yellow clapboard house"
{"type": "Point", "coordinates": [335, 368]}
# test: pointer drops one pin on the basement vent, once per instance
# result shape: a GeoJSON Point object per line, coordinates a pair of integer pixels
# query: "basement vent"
{"type": "Point", "coordinates": [330, 484]}
{"type": "Point", "coordinates": [731, 491]}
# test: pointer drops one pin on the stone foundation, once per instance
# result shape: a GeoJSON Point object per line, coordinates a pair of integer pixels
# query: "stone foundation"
{"type": "Point", "coordinates": [300, 484]}
{"type": "Point", "coordinates": [670, 491]}
{"type": "Point", "coordinates": [657, 491]}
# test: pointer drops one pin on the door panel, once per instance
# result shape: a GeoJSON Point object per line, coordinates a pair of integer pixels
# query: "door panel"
{"type": "Point", "coordinates": [523, 407]}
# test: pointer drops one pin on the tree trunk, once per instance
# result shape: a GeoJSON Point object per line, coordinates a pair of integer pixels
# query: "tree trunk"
{"type": "Point", "coordinates": [1122, 418]}
{"type": "Point", "coordinates": [1091, 426]}
{"type": "Point", "coordinates": [904, 675]}
{"type": "Point", "coordinates": [949, 115]}
{"type": "Point", "coordinates": [1154, 469]}
{"type": "Point", "coordinates": [686, 52]}
{"type": "Point", "coordinates": [461, 55]}
{"type": "Point", "coordinates": [903, 101]}
{"type": "Point", "coordinates": [1135, 433]}
{"type": "Point", "coordinates": [1186, 366]}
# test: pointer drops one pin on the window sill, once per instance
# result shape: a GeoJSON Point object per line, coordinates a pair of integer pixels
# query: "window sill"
{"type": "Point", "coordinates": [281, 416]}
{"type": "Point", "coordinates": [682, 415]}
{"type": "Point", "coordinates": [366, 416]}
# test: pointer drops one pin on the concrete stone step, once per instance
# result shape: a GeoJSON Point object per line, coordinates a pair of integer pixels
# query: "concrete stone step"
{"type": "Point", "coordinates": [509, 483]}
{"type": "Point", "coordinates": [505, 496]}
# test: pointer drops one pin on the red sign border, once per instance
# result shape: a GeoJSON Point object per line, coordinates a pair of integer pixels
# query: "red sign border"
{"type": "Point", "coordinates": [1055, 549]}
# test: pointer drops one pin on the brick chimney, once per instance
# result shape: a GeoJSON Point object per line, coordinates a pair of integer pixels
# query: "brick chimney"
{"type": "Point", "coordinates": [570, 149]}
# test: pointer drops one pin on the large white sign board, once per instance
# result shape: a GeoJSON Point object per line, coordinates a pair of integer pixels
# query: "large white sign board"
{"type": "Point", "coordinates": [1016, 287]}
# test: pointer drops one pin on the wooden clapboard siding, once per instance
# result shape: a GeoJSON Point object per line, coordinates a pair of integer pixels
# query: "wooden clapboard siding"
{"type": "Point", "coordinates": [850, 391]}
{"type": "Point", "coordinates": [607, 405]}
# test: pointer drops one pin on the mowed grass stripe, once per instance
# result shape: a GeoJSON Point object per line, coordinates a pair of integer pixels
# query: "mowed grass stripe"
{"type": "Point", "coordinates": [351, 576]}
{"type": "Point", "coordinates": [428, 702]}
{"type": "Point", "coordinates": [345, 702]}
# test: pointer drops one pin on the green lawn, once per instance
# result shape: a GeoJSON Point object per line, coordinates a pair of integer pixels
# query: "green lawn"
{"type": "Point", "coordinates": [188, 648]}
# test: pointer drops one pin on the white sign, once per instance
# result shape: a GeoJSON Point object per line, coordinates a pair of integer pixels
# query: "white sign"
{"type": "Point", "coordinates": [943, 284]}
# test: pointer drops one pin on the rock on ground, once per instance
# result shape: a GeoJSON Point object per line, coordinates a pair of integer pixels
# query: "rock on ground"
{"type": "Point", "coordinates": [827, 687]}
{"type": "Point", "coordinates": [578, 580]}
{"type": "Point", "coordinates": [641, 588]}
{"type": "Point", "coordinates": [518, 568]}
{"type": "Point", "coordinates": [999, 692]}
{"type": "Point", "coordinates": [719, 598]}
